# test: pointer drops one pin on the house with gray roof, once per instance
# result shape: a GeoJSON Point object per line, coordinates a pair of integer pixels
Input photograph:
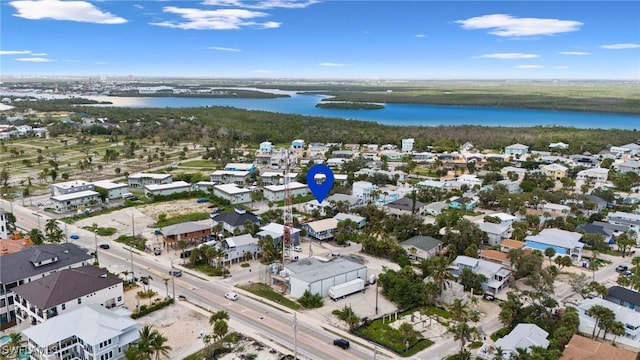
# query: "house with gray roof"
{"type": "Point", "coordinates": [235, 220]}
{"type": "Point", "coordinates": [497, 276]}
{"type": "Point", "coordinates": [624, 297]}
{"type": "Point", "coordinates": [565, 243]}
{"type": "Point", "coordinates": [626, 219]}
{"type": "Point", "coordinates": [421, 247]}
{"type": "Point", "coordinates": [629, 166]}
{"type": "Point", "coordinates": [89, 332]}
{"type": "Point", "coordinates": [318, 276]}
{"type": "Point", "coordinates": [405, 206]}
{"type": "Point", "coordinates": [30, 264]}
{"type": "Point", "coordinates": [241, 247]}
{"type": "Point", "coordinates": [495, 232]}
{"type": "Point", "coordinates": [64, 291]}
{"type": "Point", "coordinates": [523, 336]}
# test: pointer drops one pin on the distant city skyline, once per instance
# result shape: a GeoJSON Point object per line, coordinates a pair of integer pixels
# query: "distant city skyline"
{"type": "Point", "coordinates": [417, 40]}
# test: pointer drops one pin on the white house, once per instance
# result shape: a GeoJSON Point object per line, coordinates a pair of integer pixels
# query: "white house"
{"type": "Point", "coordinates": [361, 221]}
{"type": "Point", "coordinates": [516, 149]}
{"type": "Point", "coordinates": [363, 190]}
{"type": "Point", "coordinates": [266, 147]}
{"type": "Point", "coordinates": [276, 231]}
{"type": "Point", "coordinates": [242, 247]}
{"type": "Point", "coordinates": [70, 187]}
{"type": "Point", "coordinates": [229, 177]}
{"type": "Point", "coordinates": [276, 192]}
{"type": "Point", "coordinates": [565, 243]}
{"type": "Point", "coordinates": [166, 189]}
{"type": "Point", "coordinates": [558, 146]}
{"type": "Point", "coordinates": [64, 291]}
{"type": "Point", "coordinates": [495, 232]}
{"type": "Point", "coordinates": [598, 176]}
{"type": "Point", "coordinates": [626, 219]}
{"type": "Point", "coordinates": [523, 336]}
{"type": "Point", "coordinates": [407, 145]}
{"type": "Point", "coordinates": [87, 333]}
{"type": "Point", "coordinates": [114, 190]}
{"type": "Point", "coordinates": [75, 200]}
{"type": "Point", "coordinates": [497, 277]}
{"type": "Point", "coordinates": [471, 180]}
{"type": "Point", "coordinates": [232, 193]}
{"type": "Point", "coordinates": [421, 248]}
{"type": "Point", "coordinates": [629, 317]}
{"type": "Point", "coordinates": [139, 180]}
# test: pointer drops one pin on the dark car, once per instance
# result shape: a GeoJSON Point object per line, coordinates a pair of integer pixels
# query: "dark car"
{"type": "Point", "coordinates": [185, 254]}
{"type": "Point", "coordinates": [622, 268]}
{"type": "Point", "coordinates": [104, 246]}
{"type": "Point", "coordinates": [202, 200]}
{"type": "Point", "coordinates": [175, 272]}
{"type": "Point", "coordinates": [182, 297]}
{"type": "Point", "coordinates": [489, 297]}
{"type": "Point", "coordinates": [341, 343]}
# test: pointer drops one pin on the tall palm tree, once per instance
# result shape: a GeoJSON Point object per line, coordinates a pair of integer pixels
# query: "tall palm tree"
{"type": "Point", "coordinates": [459, 310]}
{"type": "Point", "coordinates": [158, 345]}
{"type": "Point", "coordinates": [499, 353]}
{"type": "Point", "coordinates": [438, 270]}
{"type": "Point", "coordinates": [144, 341]}
{"type": "Point", "coordinates": [36, 236]}
{"type": "Point", "coordinates": [599, 313]}
{"type": "Point", "coordinates": [15, 342]}
{"type": "Point", "coordinates": [53, 231]}
{"type": "Point", "coordinates": [461, 332]}
{"type": "Point", "coordinates": [132, 353]}
{"type": "Point", "coordinates": [218, 315]}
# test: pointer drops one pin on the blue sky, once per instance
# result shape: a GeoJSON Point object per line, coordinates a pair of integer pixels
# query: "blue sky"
{"type": "Point", "coordinates": [322, 39]}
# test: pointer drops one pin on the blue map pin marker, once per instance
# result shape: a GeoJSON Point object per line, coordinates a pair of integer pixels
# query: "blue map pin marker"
{"type": "Point", "coordinates": [320, 191]}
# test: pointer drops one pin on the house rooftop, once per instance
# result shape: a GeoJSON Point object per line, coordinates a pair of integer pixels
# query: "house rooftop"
{"type": "Point", "coordinates": [292, 186]}
{"type": "Point", "coordinates": [231, 189]}
{"type": "Point", "coordinates": [149, 176]}
{"type": "Point", "coordinates": [109, 185]}
{"type": "Point", "coordinates": [23, 264]}
{"type": "Point", "coordinates": [405, 204]}
{"type": "Point", "coordinates": [425, 243]}
{"type": "Point", "coordinates": [74, 195]}
{"type": "Point", "coordinates": [66, 285]}
{"type": "Point", "coordinates": [524, 336]}
{"type": "Point", "coordinates": [323, 225]}
{"type": "Point", "coordinates": [623, 313]}
{"type": "Point", "coordinates": [186, 227]}
{"type": "Point", "coordinates": [240, 240]}
{"type": "Point", "coordinates": [92, 323]}
{"type": "Point", "coordinates": [512, 244]}
{"type": "Point", "coordinates": [582, 348]}
{"type": "Point", "coordinates": [494, 255]}
{"type": "Point", "coordinates": [173, 185]}
{"type": "Point", "coordinates": [236, 218]}
{"type": "Point", "coordinates": [354, 218]}
{"type": "Point", "coordinates": [557, 237]}
{"type": "Point", "coordinates": [627, 295]}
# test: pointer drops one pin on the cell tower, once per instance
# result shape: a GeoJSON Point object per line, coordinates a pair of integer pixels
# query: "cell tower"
{"type": "Point", "coordinates": [287, 213]}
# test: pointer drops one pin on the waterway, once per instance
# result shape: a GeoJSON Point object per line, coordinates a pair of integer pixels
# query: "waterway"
{"type": "Point", "coordinates": [395, 114]}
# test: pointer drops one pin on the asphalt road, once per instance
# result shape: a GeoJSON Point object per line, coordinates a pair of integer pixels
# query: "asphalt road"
{"type": "Point", "coordinates": [249, 312]}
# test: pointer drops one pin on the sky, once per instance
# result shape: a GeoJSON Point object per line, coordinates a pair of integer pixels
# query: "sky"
{"type": "Point", "coordinates": [316, 39]}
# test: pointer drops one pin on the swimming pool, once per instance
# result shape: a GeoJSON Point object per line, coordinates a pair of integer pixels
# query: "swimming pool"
{"type": "Point", "coordinates": [4, 339]}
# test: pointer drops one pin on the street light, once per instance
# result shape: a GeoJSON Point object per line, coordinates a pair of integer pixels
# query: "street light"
{"type": "Point", "coordinates": [95, 238]}
{"type": "Point", "coordinates": [133, 278]}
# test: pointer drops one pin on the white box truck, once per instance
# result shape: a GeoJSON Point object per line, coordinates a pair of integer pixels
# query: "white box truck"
{"type": "Point", "coordinates": [342, 290]}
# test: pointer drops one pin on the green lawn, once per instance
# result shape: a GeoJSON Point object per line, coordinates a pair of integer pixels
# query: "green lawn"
{"type": "Point", "coordinates": [195, 216]}
{"type": "Point", "coordinates": [391, 338]}
{"type": "Point", "coordinates": [266, 292]}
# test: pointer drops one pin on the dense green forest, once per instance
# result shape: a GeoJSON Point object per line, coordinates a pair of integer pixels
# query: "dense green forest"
{"type": "Point", "coordinates": [208, 125]}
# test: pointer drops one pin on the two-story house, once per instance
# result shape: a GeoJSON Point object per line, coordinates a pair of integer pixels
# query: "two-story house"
{"type": "Point", "coordinates": [554, 171]}
{"type": "Point", "coordinates": [71, 195]}
{"type": "Point", "coordinates": [235, 220]}
{"type": "Point", "coordinates": [624, 218]}
{"type": "Point", "coordinates": [90, 332]}
{"type": "Point", "coordinates": [324, 229]}
{"type": "Point", "coordinates": [64, 291]}
{"type": "Point", "coordinates": [241, 247]}
{"type": "Point", "coordinates": [565, 243]}
{"type": "Point", "coordinates": [420, 247]}
{"type": "Point", "coordinates": [276, 192]}
{"type": "Point", "coordinates": [232, 193]}
{"type": "Point", "coordinates": [276, 231]}
{"type": "Point", "coordinates": [230, 177]}
{"type": "Point", "coordinates": [630, 318]}
{"type": "Point", "coordinates": [516, 149]}
{"type": "Point", "coordinates": [33, 263]}
{"type": "Point", "coordinates": [139, 180]}
{"type": "Point", "coordinates": [497, 277]}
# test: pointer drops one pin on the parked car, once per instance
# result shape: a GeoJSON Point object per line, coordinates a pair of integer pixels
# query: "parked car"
{"type": "Point", "coordinates": [202, 200]}
{"type": "Point", "coordinates": [185, 254]}
{"type": "Point", "coordinates": [297, 248]}
{"type": "Point", "coordinates": [622, 268]}
{"type": "Point", "coordinates": [489, 297]}
{"type": "Point", "coordinates": [157, 251]}
{"type": "Point", "coordinates": [175, 272]}
{"type": "Point", "coordinates": [182, 298]}
{"type": "Point", "coordinates": [341, 343]}
{"type": "Point", "coordinates": [628, 273]}
{"type": "Point", "coordinates": [104, 246]}
{"type": "Point", "coordinates": [231, 295]}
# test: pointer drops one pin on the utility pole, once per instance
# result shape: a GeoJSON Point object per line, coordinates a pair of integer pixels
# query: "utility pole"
{"type": "Point", "coordinates": [66, 236]}
{"type": "Point", "coordinates": [133, 228]}
{"type": "Point", "coordinates": [133, 278]}
{"type": "Point", "coordinates": [377, 282]}
{"type": "Point", "coordinates": [173, 282]}
{"type": "Point", "coordinates": [295, 336]}
{"type": "Point", "coordinates": [95, 238]}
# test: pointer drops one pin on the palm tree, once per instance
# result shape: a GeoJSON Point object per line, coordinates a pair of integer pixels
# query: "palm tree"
{"type": "Point", "coordinates": [53, 231]}
{"type": "Point", "coordinates": [218, 315]}
{"type": "Point", "coordinates": [144, 341]}
{"type": "Point", "coordinates": [14, 344]}
{"type": "Point", "coordinates": [599, 313]}
{"type": "Point", "coordinates": [166, 285]}
{"type": "Point", "coordinates": [499, 353]}
{"type": "Point", "coordinates": [461, 332]}
{"type": "Point", "coordinates": [459, 310]}
{"type": "Point", "coordinates": [617, 328]}
{"type": "Point", "coordinates": [438, 270]}
{"type": "Point", "coordinates": [158, 345]}
{"type": "Point", "coordinates": [132, 353]}
{"type": "Point", "coordinates": [36, 236]}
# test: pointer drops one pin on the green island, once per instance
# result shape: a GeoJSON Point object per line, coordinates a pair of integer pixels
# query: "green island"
{"type": "Point", "coordinates": [349, 105]}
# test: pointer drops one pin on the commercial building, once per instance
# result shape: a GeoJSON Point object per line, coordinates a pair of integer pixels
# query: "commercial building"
{"type": "Point", "coordinates": [318, 276]}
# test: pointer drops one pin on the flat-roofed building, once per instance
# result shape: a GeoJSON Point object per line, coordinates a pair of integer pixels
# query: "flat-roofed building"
{"type": "Point", "coordinates": [232, 193]}
{"type": "Point", "coordinates": [276, 192]}
{"type": "Point", "coordinates": [74, 200]}
{"type": "Point", "coordinates": [166, 189]}
{"type": "Point", "coordinates": [70, 187]}
{"type": "Point", "coordinates": [318, 276]}
{"type": "Point", "coordinates": [249, 167]}
{"type": "Point", "coordinates": [139, 180]}
{"type": "Point", "coordinates": [230, 177]}
{"type": "Point", "coordinates": [114, 190]}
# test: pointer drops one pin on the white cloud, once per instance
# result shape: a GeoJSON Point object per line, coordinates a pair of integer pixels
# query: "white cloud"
{"type": "Point", "coordinates": [575, 53]}
{"type": "Point", "coordinates": [508, 26]}
{"type": "Point", "coordinates": [561, 67]}
{"type": "Point", "coordinates": [220, 19]}
{"type": "Point", "coordinates": [528, 66]}
{"type": "Point", "coordinates": [260, 71]}
{"type": "Point", "coordinates": [420, 35]}
{"type": "Point", "coordinates": [138, 6]}
{"type": "Point", "coordinates": [223, 49]}
{"type": "Point", "coordinates": [80, 11]}
{"type": "Point", "coordinates": [14, 52]}
{"type": "Point", "coordinates": [620, 46]}
{"type": "Point", "coordinates": [333, 64]}
{"type": "Point", "coordinates": [267, 4]}
{"type": "Point", "coordinates": [507, 56]}
{"type": "Point", "coordinates": [34, 59]}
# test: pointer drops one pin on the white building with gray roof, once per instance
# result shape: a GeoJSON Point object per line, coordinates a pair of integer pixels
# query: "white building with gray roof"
{"type": "Point", "coordinates": [318, 276]}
